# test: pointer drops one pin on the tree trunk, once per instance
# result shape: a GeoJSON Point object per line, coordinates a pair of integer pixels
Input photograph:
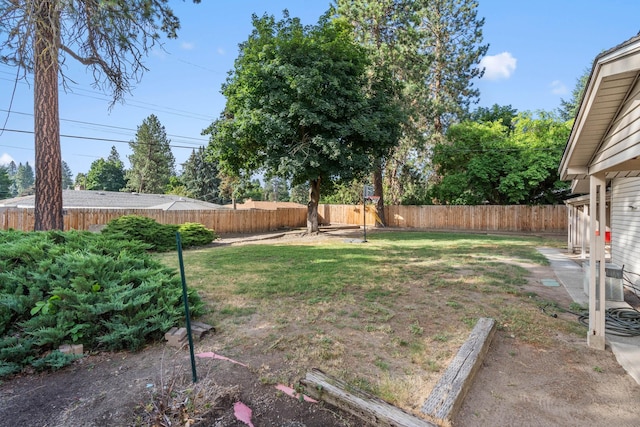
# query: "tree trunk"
{"type": "Point", "coordinates": [312, 206]}
{"type": "Point", "coordinates": [48, 166]}
{"type": "Point", "coordinates": [378, 191]}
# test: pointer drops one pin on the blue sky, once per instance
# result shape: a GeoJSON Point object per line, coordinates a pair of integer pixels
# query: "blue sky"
{"type": "Point", "coordinates": [537, 52]}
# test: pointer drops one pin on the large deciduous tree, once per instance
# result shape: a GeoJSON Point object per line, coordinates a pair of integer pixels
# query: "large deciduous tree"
{"type": "Point", "coordinates": [504, 114]}
{"type": "Point", "coordinates": [107, 175]}
{"type": "Point", "coordinates": [109, 37]}
{"type": "Point", "coordinates": [299, 106]}
{"type": "Point", "coordinates": [489, 163]}
{"type": "Point", "coordinates": [152, 163]}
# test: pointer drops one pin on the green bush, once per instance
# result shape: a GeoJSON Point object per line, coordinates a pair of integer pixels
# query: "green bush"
{"type": "Point", "coordinates": [194, 234]}
{"type": "Point", "coordinates": [160, 237]}
{"type": "Point", "coordinates": [99, 290]}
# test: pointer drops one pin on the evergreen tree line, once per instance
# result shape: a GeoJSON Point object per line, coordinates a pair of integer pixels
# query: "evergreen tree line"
{"type": "Point", "coordinates": [19, 180]}
{"type": "Point", "coordinates": [152, 171]}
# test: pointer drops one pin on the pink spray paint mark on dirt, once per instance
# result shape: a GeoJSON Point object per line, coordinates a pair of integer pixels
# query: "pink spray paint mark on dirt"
{"type": "Point", "coordinates": [219, 357]}
{"type": "Point", "coordinates": [243, 413]}
{"type": "Point", "coordinates": [291, 392]}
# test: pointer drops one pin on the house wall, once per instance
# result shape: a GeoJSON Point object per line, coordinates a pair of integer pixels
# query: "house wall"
{"type": "Point", "coordinates": [622, 140]}
{"type": "Point", "coordinates": [625, 225]}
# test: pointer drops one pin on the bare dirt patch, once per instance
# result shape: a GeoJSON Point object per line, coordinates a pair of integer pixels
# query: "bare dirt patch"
{"type": "Point", "coordinates": [558, 383]}
{"type": "Point", "coordinates": [565, 383]}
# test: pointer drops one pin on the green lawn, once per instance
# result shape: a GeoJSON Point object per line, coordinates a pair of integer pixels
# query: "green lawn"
{"type": "Point", "coordinates": [386, 315]}
{"type": "Point", "coordinates": [311, 271]}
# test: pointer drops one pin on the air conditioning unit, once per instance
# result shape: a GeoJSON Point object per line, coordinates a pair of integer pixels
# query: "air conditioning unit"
{"type": "Point", "coordinates": [613, 282]}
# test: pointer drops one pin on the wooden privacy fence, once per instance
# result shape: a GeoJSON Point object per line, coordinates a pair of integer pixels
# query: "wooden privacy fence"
{"type": "Point", "coordinates": [547, 218]}
{"type": "Point", "coordinates": [516, 218]}
{"type": "Point", "coordinates": [220, 220]}
{"type": "Point", "coordinates": [512, 218]}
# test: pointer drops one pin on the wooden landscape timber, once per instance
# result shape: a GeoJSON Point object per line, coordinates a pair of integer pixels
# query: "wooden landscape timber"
{"type": "Point", "coordinates": [363, 405]}
{"type": "Point", "coordinates": [440, 407]}
{"type": "Point", "coordinates": [447, 396]}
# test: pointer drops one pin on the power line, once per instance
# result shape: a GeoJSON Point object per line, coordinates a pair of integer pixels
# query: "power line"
{"type": "Point", "coordinates": [131, 103]}
{"type": "Point", "coordinates": [199, 140]}
{"type": "Point", "coordinates": [144, 105]}
{"type": "Point", "coordinates": [90, 138]}
{"type": "Point", "coordinates": [13, 95]}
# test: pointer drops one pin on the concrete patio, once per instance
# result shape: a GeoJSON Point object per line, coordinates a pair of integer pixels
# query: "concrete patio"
{"type": "Point", "coordinates": [570, 275]}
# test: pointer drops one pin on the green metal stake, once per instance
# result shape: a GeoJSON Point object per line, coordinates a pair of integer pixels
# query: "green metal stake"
{"type": "Point", "coordinates": [364, 210]}
{"type": "Point", "coordinates": [186, 308]}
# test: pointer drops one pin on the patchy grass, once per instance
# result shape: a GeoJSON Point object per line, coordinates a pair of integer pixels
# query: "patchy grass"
{"type": "Point", "coordinates": [386, 316]}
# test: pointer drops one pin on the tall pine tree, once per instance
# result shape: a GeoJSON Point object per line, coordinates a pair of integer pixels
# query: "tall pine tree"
{"type": "Point", "coordinates": [5, 183]}
{"type": "Point", "coordinates": [109, 37]}
{"type": "Point", "coordinates": [67, 176]}
{"type": "Point", "coordinates": [200, 177]}
{"type": "Point", "coordinates": [152, 163]}
{"type": "Point", "coordinates": [451, 32]}
{"type": "Point", "coordinates": [433, 48]}
{"type": "Point", "coordinates": [24, 178]}
{"type": "Point", "coordinates": [12, 169]}
{"type": "Point", "coordinates": [382, 28]}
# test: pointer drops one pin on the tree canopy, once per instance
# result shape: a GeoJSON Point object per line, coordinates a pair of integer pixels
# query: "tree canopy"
{"type": "Point", "coordinates": [152, 163]}
{"type": "Point", "coordinates": [107, 175]}
{"type": "Point", "coordinates": [5, 183]}
{"type": "Point", "coordinates": [486, 163]}
{"type": "Point", "coordinates": [433, 48]}
{"type": "Point", "coordinates": [24, 178]}
{"type": "Point", "coordinates": [67, 176]}
{"type": "Point", "coordinates": [298, 106]}
{"type": "Point", "coordinates": [200, 177]}
{"type": "Point", "coordinates": [569, 107]}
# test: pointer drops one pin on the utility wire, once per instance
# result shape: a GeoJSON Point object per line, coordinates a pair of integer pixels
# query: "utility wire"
{"type": "Point", "coordinates": [108, 126]}
{"type": "Point", "coordinates": [90, 138]}
{"type": "Point", "coordinates": [131, 103]}
{"type": "Point", "coordinates": [13, 95]}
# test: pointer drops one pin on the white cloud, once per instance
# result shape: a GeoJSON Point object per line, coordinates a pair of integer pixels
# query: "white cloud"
{"type": "Point", "coordinates": [188, 46]}
{"type": "Point", "coordinates": [5, 159]}
{"type": "Point", "coordinates": [221, 51]}
{"type": "Point", "coordinates": [158, 53]}
{"type": "Point", "coordinates": [558, 88]}
{"type": "Point", "coordinates": [498, 67]}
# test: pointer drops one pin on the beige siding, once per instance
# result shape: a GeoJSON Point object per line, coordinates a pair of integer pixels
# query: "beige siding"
{"type": "Point", "coordinates": [622, 140]}
{"type": "Point", "coordinates": [625, 224]}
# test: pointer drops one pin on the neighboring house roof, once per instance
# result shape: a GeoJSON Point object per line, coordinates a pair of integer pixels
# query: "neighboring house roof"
{"type": "Point", "coordinates": [250, 204]}
{"type": "Point", "coordinates": [117, 200]}
{"type": "Point", "coordinates": [604, 137]}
